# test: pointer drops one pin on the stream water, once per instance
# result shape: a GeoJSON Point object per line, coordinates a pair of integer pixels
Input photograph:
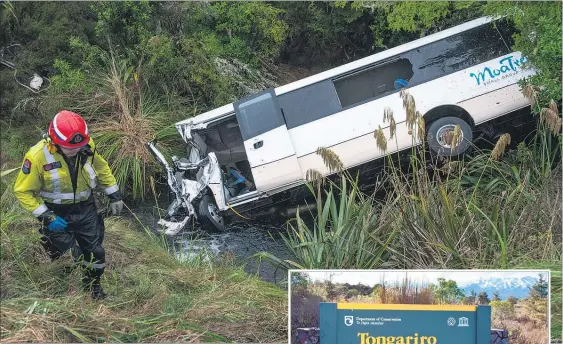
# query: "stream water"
{"type": "Point", "coordinates": [239, 243]}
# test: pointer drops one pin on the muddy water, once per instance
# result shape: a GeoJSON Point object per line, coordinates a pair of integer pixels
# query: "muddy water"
{"type": "Point", "coordinates": [242, 242]}
{"type": "Point", "coordinates": [239, 243]}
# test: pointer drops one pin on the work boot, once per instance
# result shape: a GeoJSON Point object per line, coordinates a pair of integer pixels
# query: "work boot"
{"type": "Point", "coordinates": [98, 292]}
{"type": "Point", "coordinates": [93, 286]}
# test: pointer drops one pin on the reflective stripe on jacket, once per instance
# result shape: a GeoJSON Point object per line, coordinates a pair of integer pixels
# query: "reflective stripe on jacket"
{"type": "Point", "coordinates": [45, 176]}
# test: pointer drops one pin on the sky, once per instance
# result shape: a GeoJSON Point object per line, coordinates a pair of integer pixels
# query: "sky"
{"type": "Point", "coordinates": [372, 277]}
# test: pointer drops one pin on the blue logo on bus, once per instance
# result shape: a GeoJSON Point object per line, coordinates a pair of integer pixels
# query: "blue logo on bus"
{"type": "Point", "coordinates": [508, 67]}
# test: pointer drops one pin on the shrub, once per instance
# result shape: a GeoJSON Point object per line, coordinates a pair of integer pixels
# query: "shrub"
{"type": "Point", "coordinates": [502, 310]}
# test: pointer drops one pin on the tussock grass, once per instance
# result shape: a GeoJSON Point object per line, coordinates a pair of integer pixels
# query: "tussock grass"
{"type": "Point", "coordinates": [125, 116]}
{"type": "Point", "coordinates": [480, 213]}
{"type": "Point", "coordinates": [152, 296]}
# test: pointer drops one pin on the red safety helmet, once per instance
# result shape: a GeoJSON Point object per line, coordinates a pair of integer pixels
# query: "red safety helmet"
{"type": "Point", "coordinates": [69, 130]}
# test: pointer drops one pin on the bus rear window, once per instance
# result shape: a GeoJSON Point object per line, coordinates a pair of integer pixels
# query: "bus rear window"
{"type": "Point", "coordinates": [456, 53]}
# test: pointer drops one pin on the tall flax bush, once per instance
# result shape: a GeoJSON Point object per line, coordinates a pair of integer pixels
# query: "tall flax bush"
{"type": "Point", "coordinates": [130, 122]}
{"type": "Point", "coordinates": [123, 114]}
{"type": "Point", "coordinates": [346, 232]}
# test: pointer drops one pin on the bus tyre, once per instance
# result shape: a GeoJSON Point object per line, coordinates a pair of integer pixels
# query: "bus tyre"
{"type": "Point", "coordinates": [440, 133]}
{"type": "Point", "coordinates": [209, 217]}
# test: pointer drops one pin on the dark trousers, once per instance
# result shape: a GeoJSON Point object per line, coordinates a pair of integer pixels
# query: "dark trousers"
{"type": "Point", "coordinates": [83, 236]}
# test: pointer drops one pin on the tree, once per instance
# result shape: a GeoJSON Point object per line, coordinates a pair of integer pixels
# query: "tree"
{"type": "Point", "coordinates": [537, 310]}
{"type": "Point", "coordinates": [447, 291]}
{"type": "Point", "coordinates": [376, 291]}
{"type": "Point", "coordinates": [128, 24]}
{"type": "Point", "coordinates": [249, 29]}
{"type": "Point", "coordinates": [326, 32]}
{"type": "Point", "coordinates": [539, 39]}
{"type": "Point", "coordinates": [471, 299]}
{"type": "Point", "coordinates": [331, 292]}
{"type": "Point", "coordinates": [496, 296]}
{"type": "Point", "coordinates": [483, 298]}
{"type": "Point", "coordinates": [502, 310]}
{"type": "Point", "coordinates": [352, 293]}
{"type": "Point", "coordinates": [512, 299]}
{"type": "Point", "coordinates": [300, 280]}
{"type": "Point", "coordinates": [428, 17]}
{"type": "Point", "coordinates": [540, 289]}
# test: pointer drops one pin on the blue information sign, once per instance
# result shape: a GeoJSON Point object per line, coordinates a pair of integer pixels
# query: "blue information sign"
{"type": "Point", "coordinates": [354, 323]}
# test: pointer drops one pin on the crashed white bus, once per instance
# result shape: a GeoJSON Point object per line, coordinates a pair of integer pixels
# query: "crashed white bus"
{"type": "Point", "coordinates": [466, 75]}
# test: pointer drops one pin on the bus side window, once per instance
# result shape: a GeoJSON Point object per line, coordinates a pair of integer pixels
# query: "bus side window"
{"type": "Point", "coordinates": [309, 104]}
{"type": "Point", "coordinates": [374, 82]}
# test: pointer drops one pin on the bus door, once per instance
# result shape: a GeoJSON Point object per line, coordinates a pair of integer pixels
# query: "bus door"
{"type": "Point", "coordinates": [267, 143]}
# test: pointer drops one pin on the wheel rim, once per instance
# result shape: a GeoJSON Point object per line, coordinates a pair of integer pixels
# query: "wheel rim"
{"type": "Point", "coordinates": [444, 136]}
{"type": "Point", "coordinates": [214, 212]}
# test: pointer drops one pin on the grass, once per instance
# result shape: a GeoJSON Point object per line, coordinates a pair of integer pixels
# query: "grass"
{"type": "Point", "coordinates": [153, 296]}
{"type": "Point", "coordinates": [476, 214]}
{"type": "Point", "coordinates": [347, 233]}
{"type": "Point", "coordinates": [526, 323]}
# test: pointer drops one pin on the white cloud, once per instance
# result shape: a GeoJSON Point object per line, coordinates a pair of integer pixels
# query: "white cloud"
{"type": "Point", "coordinates": [372, 277]}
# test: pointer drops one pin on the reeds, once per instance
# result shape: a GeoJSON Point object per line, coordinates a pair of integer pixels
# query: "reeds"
{"type": "Point", "coordinates": [313, 176]}
{"type": "Point", "coordinates": [380, 139]}
{"type": "Point", "coordinates": [500, 146]}
{"type": "Point", "coordinates": [346, 233]}
{"type": "Point", "coordinates": [550, 117]}
{"type": "Point", "coordinates": [409, 105]}
{"type": "Point", "coordinates": [330, 159]}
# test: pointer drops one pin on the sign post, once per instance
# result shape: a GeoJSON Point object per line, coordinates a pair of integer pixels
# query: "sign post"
{"type": "Point", "coordinates": [355, 323]}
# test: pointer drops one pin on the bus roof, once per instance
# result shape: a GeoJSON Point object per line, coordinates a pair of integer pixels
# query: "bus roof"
{"type": "Point", "coordinates": [228, 108]}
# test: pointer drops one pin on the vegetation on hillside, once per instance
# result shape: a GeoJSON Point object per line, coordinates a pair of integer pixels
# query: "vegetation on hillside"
{"type": "Point", "coordinates": [170, 68]}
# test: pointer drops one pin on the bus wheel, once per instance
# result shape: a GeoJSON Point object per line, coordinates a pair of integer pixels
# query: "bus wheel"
{"type": "Point", "coordinates": [440, 135]}
{"type": "Point", "coordinates": [209, 216]}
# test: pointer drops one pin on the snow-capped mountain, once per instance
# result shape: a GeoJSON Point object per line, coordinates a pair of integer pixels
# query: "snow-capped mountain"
{"type": "Point", "coordinates": [512, 286]}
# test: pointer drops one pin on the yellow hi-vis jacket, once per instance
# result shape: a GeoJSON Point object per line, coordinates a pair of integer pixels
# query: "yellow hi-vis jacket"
{"type": "Point", "coordinates": [45, 176]}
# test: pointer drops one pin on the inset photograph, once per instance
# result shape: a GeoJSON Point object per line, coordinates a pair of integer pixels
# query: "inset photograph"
{"type": "Point", "coordinates": [419, 306]}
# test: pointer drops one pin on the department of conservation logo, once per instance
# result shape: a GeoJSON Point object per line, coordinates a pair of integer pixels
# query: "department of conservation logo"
{"type": "Point", "coordinates": [348, 320]}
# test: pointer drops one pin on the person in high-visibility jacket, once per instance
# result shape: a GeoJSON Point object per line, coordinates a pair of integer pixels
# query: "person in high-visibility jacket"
{"type": "Point", "coordinates": [56, 185]}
